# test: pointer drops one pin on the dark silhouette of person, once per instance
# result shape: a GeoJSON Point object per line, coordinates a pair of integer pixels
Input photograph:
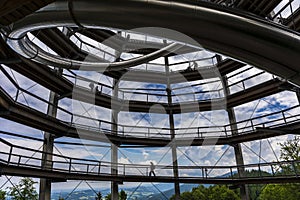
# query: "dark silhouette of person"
{"type": "Point", "coordinates": [195, 65]}
{"type": "Point", "coordinates": [91, 85]}
{"type": "Point", "coordinates": [152, 168]}
{"type": "Point", "coordinates": [97, 89]}
{"type": "Point", "coordinates": [189, 69]}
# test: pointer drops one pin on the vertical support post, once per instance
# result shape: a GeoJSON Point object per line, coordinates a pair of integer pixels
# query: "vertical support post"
{"type": "Point", "coordinates": [237, 147]}
{"type": "Point", "coordinates": [114, 148]}
{"type": "Point", "coordinates": [172, 132]}
{"type": "Point", "coordinates": [298, 96]}
{"type": "Point", "coordinates": [45, 184]}
{"type": "Point", "coordinates": [114, 120]}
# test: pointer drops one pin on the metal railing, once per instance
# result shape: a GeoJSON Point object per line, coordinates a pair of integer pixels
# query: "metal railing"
{"type": "Point", "coordinates": [272, 120]}
{"type": "Point", "coordinates": [281, 14]}
{"type": "Point", "coordinates": [73, 165]}
{"type": "Point", "coordinates": [199, 93]}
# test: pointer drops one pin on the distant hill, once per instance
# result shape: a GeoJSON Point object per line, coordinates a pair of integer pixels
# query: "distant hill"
{"type": "Point", "coordinates": [171, 192]}
{"type": "Point", "coordinates": [142, 193]}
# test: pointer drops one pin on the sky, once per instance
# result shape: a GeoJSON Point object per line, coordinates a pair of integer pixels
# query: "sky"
{"type": "Point", "coordinates": [207, 156]}
{"type": "Point", "coordinates": [255, 152]}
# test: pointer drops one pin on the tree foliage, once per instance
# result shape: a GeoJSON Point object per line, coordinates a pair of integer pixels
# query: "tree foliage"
{"type": "Point", "coordinates": [122, 196]}
{"type": "Point", "coordinates": [108, 196]}
{"type": "Point", "coordinates": [216, 192]}
{"type": "Point", "coordinates": [290, 151]}
{"type": "Point", "coordinates": [98, 196]}
{"type": "Point", "coordinates": [2, 195]}
{"type": "Point", "coordinates": [254, 190]}
{"type": "Point", "coordinates": [280, 192]}
{"type": "Point", "coordinates": [24, 190]}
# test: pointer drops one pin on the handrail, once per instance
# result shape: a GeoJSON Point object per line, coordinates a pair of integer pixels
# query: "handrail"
{"type": "Point", "coordinates": [153, 131]}
{"type": "Point", "coordinates": [143, 131]}
{"type": "Point", "coordinates": [76, 76]}
{"type": "Point", "coordinates": [197, 133]}
{"type": "Point", "coordinates": [282, 9]}
{"type": "Point", "coordinates": [239, 72]}
{"type": "Point", "coordinates": [148, 95]}
{"type": "Point", "coordinates": [194, 60]}
{"type": "Point", "coordinates": [88, 44]}
{"type": "Point", "coordinates": [93, 167]}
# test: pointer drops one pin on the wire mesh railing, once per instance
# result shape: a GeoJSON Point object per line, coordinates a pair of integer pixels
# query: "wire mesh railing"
{"type": "Point", "coordinates": [275, 119]}
{"type": "Point", "coordinates": [17, 156]}
{"type": "Point", "coordinates": [204, 91]}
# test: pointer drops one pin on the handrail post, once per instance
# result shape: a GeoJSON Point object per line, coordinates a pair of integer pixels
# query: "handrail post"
{"type": "Point", "coordinates": [284, 119]}
{"type": "Point", "coordinates": [9, 156]}
{"type": "Point", "coordinates": [272, 168]}
{"type": "Point", "coordinates": [99, 167]}
{"type": "Point", "coordinates": [72, 118]}
{"type": "Point", "coordinates": [19, 160]}
{"type": "Point", "coordinates": [295, 169]}
{"type": "Point", "coordinates": [252, 126]}
{"type": "Point", "coordinates": [70, 165]}
{"type": "Point", "coordinates": [17, 95]}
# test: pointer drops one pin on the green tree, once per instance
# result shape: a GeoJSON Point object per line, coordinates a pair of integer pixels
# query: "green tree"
{"type": "Point", "coordinates": [187, 196]}
{"type": "Point", "coordinates": [253, 189]}
{"type": "Point", "coordinates": [108, 196]}
{"type": "Point", "coordinates": [24, 190]}
{"type": "Point", "coordinates": [2, 195]}
{"type": "Point", "coordinates": [290, 151]}
{"type": "Point", "coordinates": [212, 193]}
{"type": "Point", "coordinates": [280, 192]}
{"type": "Point", "coordinates": [98, 196]}
{"type": "Point", "coordinates": [122, 195]}
{"type": "Point", "coordinates": [222, 193]}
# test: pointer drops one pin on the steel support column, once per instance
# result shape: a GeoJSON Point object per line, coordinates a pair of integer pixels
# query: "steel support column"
{"type": "Point", "coordinates": [114, 148]}
{"type": "Point", "coordinates": [237, 147]}
{"type": "Point", "coordinates": [115, 120]}
{"type": "Point", "coordinates": [298, 96]}
{"type": "Point", "coordinates": [172, 132]}
{"type": "Point", "coordinates": [45, 184]}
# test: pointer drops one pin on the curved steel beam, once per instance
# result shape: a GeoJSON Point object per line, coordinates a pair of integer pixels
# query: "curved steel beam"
{"type": "Point", "coordinates": [234, 33]}
{"type": "Point", "coordinates": [30, 50]}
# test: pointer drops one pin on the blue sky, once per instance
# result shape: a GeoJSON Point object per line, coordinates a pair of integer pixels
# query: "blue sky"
{"type": "Point", "coordinates": [203, 155]}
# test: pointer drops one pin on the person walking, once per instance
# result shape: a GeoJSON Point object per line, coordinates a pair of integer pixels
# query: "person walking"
{"type": "Point", "coordinates": [152, 168]}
